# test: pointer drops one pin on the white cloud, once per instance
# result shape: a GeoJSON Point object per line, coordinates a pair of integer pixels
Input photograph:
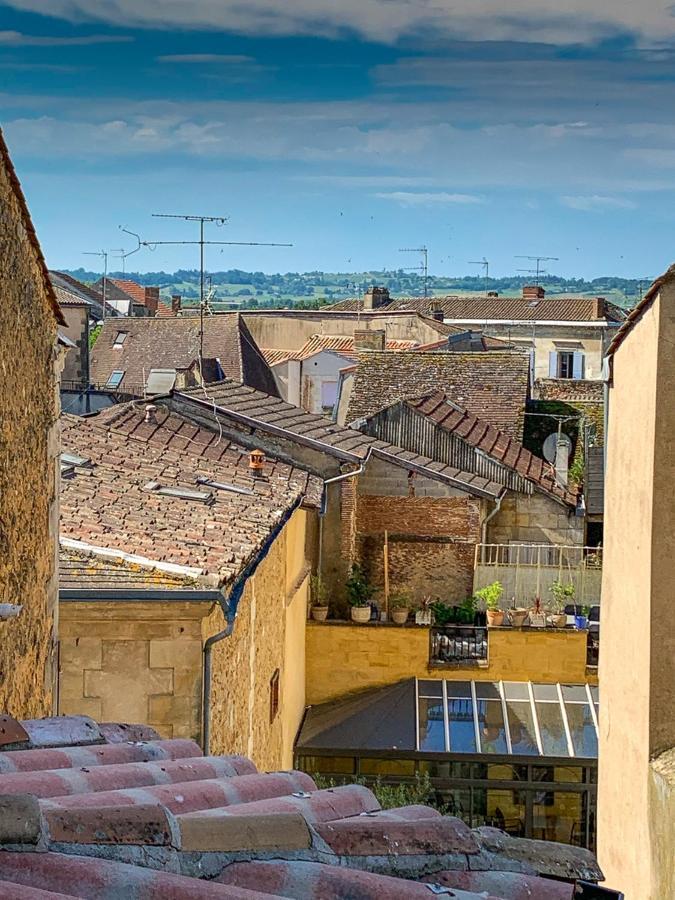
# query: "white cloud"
{"type": "Point", "coordinates": [574, 21]}
{"type": "Point", "coordinates": [410, 198]}
{"type": "Point", "coordinates": [596, 203]}
{"type": "Point", "coordinates": [17, 39]}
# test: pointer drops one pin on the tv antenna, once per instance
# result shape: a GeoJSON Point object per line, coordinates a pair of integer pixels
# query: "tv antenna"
{"type": "Point", "coordinates": [102, 254]}
{"type": "Point", "coordinates": [538, 260]}
{"type": "Point", "coordinates": [218, 221]}
{"type": "Point", "coordinates": [423, 267]}
{"type": "Point", "coordinates": [485, 263]}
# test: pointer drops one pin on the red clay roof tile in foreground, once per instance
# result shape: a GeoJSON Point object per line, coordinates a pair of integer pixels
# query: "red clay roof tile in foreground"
{"type": "Point", "coordinates": [219, 829]}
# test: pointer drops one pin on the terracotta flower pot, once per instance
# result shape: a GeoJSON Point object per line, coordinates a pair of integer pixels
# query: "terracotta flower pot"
{"type": "Point", "coordinates": [495, 616]}
{"type": "Point", "coordinates": [559, 620]}
{"type": "Point", "coordinates": [361, 614]}
{"type": "Point", "coordinates": [319, 613]}
{"type": "Point", "coordinates": [518, 617]}
{"type": "Point", "coordinates": [400, 616]}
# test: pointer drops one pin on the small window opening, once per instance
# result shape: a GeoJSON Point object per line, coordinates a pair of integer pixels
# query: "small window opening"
{"type": "Point", "coordinates": [120, 338]}
{"type": "Point", "coordinates": [115, 379]}
{"type": "Point", "coordinates": [274, 696]}
{"type": "Point", "coordinates": [565, 365]}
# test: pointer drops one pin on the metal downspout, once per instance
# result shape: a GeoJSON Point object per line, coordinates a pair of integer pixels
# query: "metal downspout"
{"type": "Point", "coordinates": [498, 506]}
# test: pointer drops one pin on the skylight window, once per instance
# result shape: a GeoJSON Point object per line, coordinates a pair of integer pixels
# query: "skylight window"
{"type": "Point", "coordinates": [180, 493]}
{"type": "Point", "coordinates": [72, 459]}
{"type": "Point", "coordinates": [224, 486]}
{"type": "Point", "coordinates": [120, 339]}
{"type": "Point", "coordinates": [115, 379]}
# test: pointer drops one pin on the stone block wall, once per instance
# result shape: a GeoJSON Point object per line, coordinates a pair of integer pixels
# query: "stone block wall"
{"type": "Point", "coordinates": [535, 519]}
{"type": "Point", "coordinates": [29, 446]}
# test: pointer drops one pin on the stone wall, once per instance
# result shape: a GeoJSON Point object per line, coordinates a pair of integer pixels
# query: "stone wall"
{"type": "Point", "coordinates": [76, 366]}
{"type": "Point", "coordinates": [343, 658]}
{"type": "Point", "coordinates": [29, 446]}
{"type": "Point", "coordinates": [134, 662]}
{"type": "Point", "coordinates": [270, 618]}
{"type": "Point", "coordinates": [535, 519]}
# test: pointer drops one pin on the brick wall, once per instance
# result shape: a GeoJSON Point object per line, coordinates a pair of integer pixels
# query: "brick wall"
{"type": "Point", "coordinates": [29, 447]}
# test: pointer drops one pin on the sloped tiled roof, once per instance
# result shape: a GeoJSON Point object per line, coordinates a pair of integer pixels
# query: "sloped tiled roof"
{"type": "Point", "coordinates": [69, 298]}
{"type": "Point", "coordinates": [132, 288]}
{"type": "Point", "coordinates": [250, 407]}
{"type": "Point", "coordinates": [480, 309]}
{"type": "Point", "coordinates": [492, 385]}
{"type": "Point", "coordinates": [483, 436]}
{"type": "Point", "coordinates": [173, 343]}
{"type": "Point", "coordinates": [80, 289]}
{"type": "Point", "coordinates": [78, 569]}
{"type": "Point", "coordinates": [15, 186]}
{"type": "Point", "coordinates": [111, 810]}
{"type": "Point", "coordinates": [334, 343]}
{"type": "Point", "coordinates": [107, 504]}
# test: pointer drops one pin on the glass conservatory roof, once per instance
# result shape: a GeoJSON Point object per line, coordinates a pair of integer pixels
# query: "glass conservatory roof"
{"type": "Point", "coordinates": [507, 718]}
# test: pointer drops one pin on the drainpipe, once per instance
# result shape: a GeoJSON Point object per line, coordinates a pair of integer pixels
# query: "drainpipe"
{"type": "Point", "coordinates": [606, 379]}
{"type": "Point", "coordinates": [498, 506]}
{"type": "Point", "coordinates": [324, 497]}
{"type": "Point", "coordinates": [229, 606]}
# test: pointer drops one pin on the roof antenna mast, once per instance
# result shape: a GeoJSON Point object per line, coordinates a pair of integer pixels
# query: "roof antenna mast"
{"type": "Point", "coordinates": [104, 256]}
{"type": "Point", "coordinates": [538, 260]}
{"type": "Point", "coordinates": [423, 267]}
{"type": "Point", "coordinates": [485, 263]}
{"type": "Point", "coordinates": [219, 221]}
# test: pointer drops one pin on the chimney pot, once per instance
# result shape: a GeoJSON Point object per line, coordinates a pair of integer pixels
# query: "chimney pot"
{"type": "Point", "coordinates": [376, 297]}
{"type": "Point", "coordinates": [175, 303]}
{"type": "Point", "coordinates": [437, 313]}
{"type": "Point", "coordinates": [150, 411]}
{"type": "Point", "coordinates": [256, 463]}
{"type": "Point", "coordinates": [533, 292]}
{"type": "Point", "coordinates": [152, 300]}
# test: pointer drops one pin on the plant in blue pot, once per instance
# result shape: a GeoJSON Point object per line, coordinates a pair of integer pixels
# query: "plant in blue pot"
{"type": "Point", "coordinates": [581, 619]}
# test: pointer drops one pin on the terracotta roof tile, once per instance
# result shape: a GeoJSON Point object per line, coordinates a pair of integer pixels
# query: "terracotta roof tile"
{"type": "Point", "coordinates": [174, 343]}
{"type": "Point", "coordinates": [81, 824]}
{"type": "Point", "coordinates": [106, 504]}
{"type": "Point", "coordinates": [492, 385]}
{"type": "Point", "coordinates": [438, 409]}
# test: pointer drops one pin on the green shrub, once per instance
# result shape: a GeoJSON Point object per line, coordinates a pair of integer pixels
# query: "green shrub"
{"type": "Point", "coordinates": [359, 590]}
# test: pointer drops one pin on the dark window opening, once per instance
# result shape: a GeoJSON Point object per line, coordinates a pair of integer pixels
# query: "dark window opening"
{"type": "Point", "coordinates": [274, 696]}
{"type": "Point", "coordinates": [565, 365]}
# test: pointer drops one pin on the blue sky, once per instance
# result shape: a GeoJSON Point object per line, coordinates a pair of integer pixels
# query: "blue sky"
{"type": "Point", "coordinates": [350, 129]}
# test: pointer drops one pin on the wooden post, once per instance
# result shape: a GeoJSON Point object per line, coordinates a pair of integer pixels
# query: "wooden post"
{"type": "Point", "coordinates": [386, 571]}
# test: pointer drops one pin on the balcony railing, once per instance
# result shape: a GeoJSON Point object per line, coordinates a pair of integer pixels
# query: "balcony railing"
{"type": "Point", "coordinates": [457, 644]}
{"type": "Point", "coordinates": [527, 571]}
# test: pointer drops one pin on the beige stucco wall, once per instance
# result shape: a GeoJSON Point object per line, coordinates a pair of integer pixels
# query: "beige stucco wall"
{"type": "Point", "coordinates": [29, 446]}
{"type": "Point", "coordinates": [637, 662]}
{"type": "Point", "coordinates": [133, 662]}
{"type": "Point", "coordinates": [343, 658]}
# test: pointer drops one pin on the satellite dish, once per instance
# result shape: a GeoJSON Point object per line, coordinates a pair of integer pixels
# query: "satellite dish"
{"type": "Point", "coordinates": [551, 444]}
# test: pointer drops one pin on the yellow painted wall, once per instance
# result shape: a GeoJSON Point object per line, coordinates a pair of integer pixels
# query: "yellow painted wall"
{"type": "Point", "coordinates": [268, 635]}
{"type": "Point", "coordinates": [133, 662]}
{"type": "Point", "coordinates": [345, 658]}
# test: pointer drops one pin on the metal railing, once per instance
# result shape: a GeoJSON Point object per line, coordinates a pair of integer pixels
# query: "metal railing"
{"type": "Point", "coordinates": [527, 571]}
{"type": "Point", "coordinates": [457, 643]}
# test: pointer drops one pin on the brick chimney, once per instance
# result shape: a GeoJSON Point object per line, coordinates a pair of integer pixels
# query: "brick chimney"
{"type": "Point", "coordinates": [533, 292]}
{"type": "Point", "coordinates": [598, 307]}
{"type": "Point", "coordinates": [369, 340]}
{"type": "Point", "coordinates": [437, 313]}
{"type": "Point", "coordinates": [375, 297]}
{"type": "Point", "coordinates": [152, 300]}
{"type": "Point", "coordinates": [175, 303]}
{"type": "Point", "coordinates": [493, 294]}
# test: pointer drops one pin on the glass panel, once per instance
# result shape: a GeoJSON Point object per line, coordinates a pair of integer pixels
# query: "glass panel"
{"type": "Point", "coordinates": [462, 731]}
{"type": "Point", "coordinates": [430, 688]}
{"type": "Point", "coordinates": [595, 693]}
{"type": "Point", "coordinates": [435, 768]}
{"type": "Point", "coordinates": [488, 690]}
{"type": "Point", "coordinates": [506, 772]}
{"type": "Point", "coordinates": [491, 725]}
{"type": "Point", "coordinates": [545, 692]}
{"type": "Point", "coordinates": [506, 810]}
{"type": "Point", "coordinates": [459, 689]}
{"type": "Point", "coordinates": [340, 765]}
{"type": "Point", "coordinates": [558, 816]}
{"type": "Point", "coordinates": [552, 730]}
{"type": "Point", "coordinates": [405, 767]}
{"type": "Point", "coordinates": [521, 727]}
{"type": "Point", "coordinates": [516, 690]}
{"type": "Point", "coordinates": [574, 693]}
{"type": "Point", "coordinates": [432, 728]}
{"type": "Point", "coordinates": [582, 729]}
{"type": "Point", "coordinates": [458, 803]}
{"type": "Point", "coordinates": [559, 774]}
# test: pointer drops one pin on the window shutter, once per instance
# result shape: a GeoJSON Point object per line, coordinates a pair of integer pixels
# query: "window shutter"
{"type": "Point", "coordinates": [578, 365]}
{"type": "Point", "coordinates": [552, 364]}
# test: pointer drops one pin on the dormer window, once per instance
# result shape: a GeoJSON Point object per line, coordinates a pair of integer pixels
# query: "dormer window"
{"type": "Point", "coordinates": [120, 338]}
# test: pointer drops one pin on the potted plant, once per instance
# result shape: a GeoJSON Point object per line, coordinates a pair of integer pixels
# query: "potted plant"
{"type": "Point", "coordinates": [444, 614]}
{"type": "Point", "coordinates": [424, 615]}
{"type": "Point", "coordinates": [466, 611]}
{"type": "Point", "coordinates": [399, 604]}
{"type": "Point", "coordinates": [359, 594]}
{"type": "Point", "coordinates": [517, 614]}
{"type": "Point", "coordinates": [491, 595]}
{"type": "Point", "coordinates": [562, 595]}
{"type": "Point", "coordinates": [319, 596]}
{"type": "Point", "coordinates": [581, 621]}
{"type": "Point", "coordinates": [537, 614]}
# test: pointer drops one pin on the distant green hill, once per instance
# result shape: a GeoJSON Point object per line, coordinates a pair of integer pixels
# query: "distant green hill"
{"type": "Point", "coordinates": [236, 289]}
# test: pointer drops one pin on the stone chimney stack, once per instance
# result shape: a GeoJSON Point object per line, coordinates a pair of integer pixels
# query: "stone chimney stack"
{"type": "Point", "coordinates": [375, 297]}
{"type": "Point", "coordinates": [152, 300]}
{"type": "Point", "coordinates": [533, 292]}
{"type": "Point", "coordinates": [437, 313]}
{"type": "Point", "coordinates": [175, 304]}
{"type": "Point", "coordinates": [599, 308]}
{"type": "Point", "coordinates": [370, 340]}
